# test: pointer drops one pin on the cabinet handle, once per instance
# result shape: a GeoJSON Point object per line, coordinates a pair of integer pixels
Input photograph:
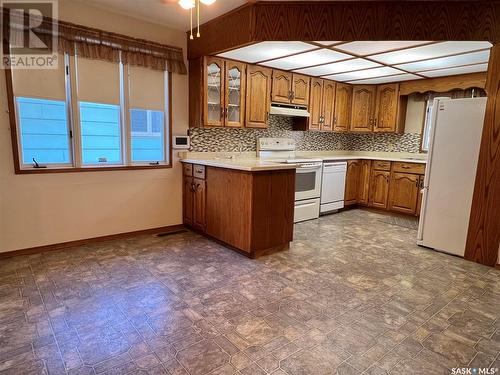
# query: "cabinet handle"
{"type": "Point", "coordinates": [193, 187]}
{"type": "Point", "coordinates": [405, 167]}
{"type": "Point", "coordinates": [417, 183]}
{"type": "Point", "coordinates": [335, 120]}
{"type": "Point", "coordinates": [267, 116]}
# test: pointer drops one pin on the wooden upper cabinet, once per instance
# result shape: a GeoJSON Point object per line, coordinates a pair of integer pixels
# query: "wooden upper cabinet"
{"type": "Point", "coordinates": [389, 109]}
{"type": "Point", "coordinates": [282, 87]}
{"type": "Point", "coordinates": [213, 91]}
{"type": "Point", "coordinates": [352, 182]}
{"type": "Point", "coordinates": [258, 95]}
{"type": "Point", "coordinates": [328, 104]}
{"type": "Point", "coordinates": [379, 188]}
{"type": "Point", "coordinates": [315, 104]}
{"type": "Point", "coordinates": [342, 116]}
{"type": "Point", "coordinates": [363, 108]}
{"type": "Point", "coordinates": [300, 89]}
{"type": "Point", "coordinates": [404, 190]}
{"type": "Point", "coordinates": [235, 80]}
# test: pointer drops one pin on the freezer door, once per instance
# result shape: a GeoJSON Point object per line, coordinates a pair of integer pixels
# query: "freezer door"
{"type": "Point", "coordinates": [451, 173]}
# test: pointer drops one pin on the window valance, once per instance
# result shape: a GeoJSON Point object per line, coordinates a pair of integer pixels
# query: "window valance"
{"type": "Point", "coordinates": [103, 45]}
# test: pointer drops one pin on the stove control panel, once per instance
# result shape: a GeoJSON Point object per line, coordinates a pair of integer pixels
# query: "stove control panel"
{"type": "Point", "coordinates": [275, 144]}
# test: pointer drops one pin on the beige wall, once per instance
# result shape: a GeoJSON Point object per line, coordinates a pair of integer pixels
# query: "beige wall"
{"type": "Point", "coordinates": [414, 115]}
{"type": "Point", "coordinates": [44, 209]}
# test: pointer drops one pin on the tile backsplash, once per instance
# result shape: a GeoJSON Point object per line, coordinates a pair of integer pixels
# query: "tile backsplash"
{"type": "Point", "coordinates": [227, 140]}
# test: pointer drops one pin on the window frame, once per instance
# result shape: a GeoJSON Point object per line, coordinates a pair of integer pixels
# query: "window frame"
{"type": "Point", "coordinates": [74, 127]}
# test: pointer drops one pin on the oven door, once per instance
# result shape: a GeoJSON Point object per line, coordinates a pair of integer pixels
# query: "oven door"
{"type": "Point", "coordinates": [308, 181]}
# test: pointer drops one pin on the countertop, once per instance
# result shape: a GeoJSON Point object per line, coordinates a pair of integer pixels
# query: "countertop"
{"type": "Point", "coordinates": [247, 161]}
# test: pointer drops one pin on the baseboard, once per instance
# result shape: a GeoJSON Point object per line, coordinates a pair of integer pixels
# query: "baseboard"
{"type": "Point", "coordinates": [110, 237]}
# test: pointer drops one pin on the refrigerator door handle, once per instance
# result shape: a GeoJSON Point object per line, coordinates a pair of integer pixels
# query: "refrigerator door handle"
{"type": "Point", "coordinates": [420, 233]}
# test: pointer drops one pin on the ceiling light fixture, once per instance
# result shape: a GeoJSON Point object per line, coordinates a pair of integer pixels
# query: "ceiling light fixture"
{"type": "Point", "coordinates": [190, 5]}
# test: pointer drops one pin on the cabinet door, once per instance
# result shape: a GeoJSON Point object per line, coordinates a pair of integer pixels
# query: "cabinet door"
{"type": "Point", "coordinates": [342, 115]}
{"type": "Point", "coordinates": [403, 194]}
{"type": "Point", "coordinates": [235, 94]}
{"type": "Point", "coordinates": [300, 89]}
{"type": "Point", "coordinates": [387, 108]}
{"type": "Point", "coordinates": [363, 104]}
{"type": "Point", "coordinates": [379, 189]}
{"type": "Point", "coordinates": [199, 215]}
{"type": "Point", "coordinates": [315, 104]}
{"type": "Point", "coordinates": [188, 200]}
{"type": "Point", "coordinates": [213, 92]}
{"type": "Point", "coordinates": [364, 181]}
{"type": "Point", "coordinates": [328, 104]}
{"type": "Point", "coordinates": [258, 94]}
{"type": "Point", "coordinates": [352, 183]}
{"type": "Point", "coordinates": [420, 194]}
{"type": "Point", "coordinates": [282, 87]}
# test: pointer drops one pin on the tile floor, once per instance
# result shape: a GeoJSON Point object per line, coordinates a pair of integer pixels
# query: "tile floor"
{"type": "Point", "coordinates": [353, 295]}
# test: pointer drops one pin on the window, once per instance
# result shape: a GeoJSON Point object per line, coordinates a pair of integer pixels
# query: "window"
{"type": "Point", "coordinates": [147, 135]}
{"type": "Point", "coordinates": [101, 133]}
{"type": "Point", "coordinates": [147, 95]}
{"type": "Point", "coordinates": [90, 114]}
{"type": "Point", "coordinates": [44, 133]}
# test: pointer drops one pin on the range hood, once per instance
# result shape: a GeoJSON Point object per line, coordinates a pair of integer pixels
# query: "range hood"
{"type": "Point", "coordinates": [289, 110]}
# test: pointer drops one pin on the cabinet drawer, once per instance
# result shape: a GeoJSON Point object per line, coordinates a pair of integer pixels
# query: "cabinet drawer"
{"type": "Point", "coordinates": [409, 167]}
{"type": "Point", "coordinates": [199, 171]}
{"type": "Point", "coordinates": [380, 165]}
{"type": "Point", "coordinates": [187, 169]}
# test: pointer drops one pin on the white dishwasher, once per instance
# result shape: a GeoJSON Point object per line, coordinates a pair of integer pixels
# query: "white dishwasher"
{"type": "Point", "coordinates": [333, 186]}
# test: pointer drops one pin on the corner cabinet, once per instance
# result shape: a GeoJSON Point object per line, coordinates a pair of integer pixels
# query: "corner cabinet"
{"type": "Point", "coordinates": [258, 96]}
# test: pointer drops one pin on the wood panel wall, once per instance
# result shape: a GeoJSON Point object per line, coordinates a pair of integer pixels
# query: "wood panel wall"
{"type": "Point", "coordinates": [483, 236]}
{"type": "Point", "coordinates": [349, 20]}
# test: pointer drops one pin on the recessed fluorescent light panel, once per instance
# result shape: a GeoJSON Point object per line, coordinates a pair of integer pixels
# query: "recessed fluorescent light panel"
{"type": "Point", "coordinates": [368, 61]}
{"type": "Point", "coordinates": [368, 73]}
{"type": "Point", "coordinates": [395, 78]}
{"type": "Point", "coordinates": [370, 47]}
{"type": "Point", "coordinates": [429, 52]}
{"type": "Point", "coordinates": [339, 67]}
{"type": "Point", "coordinates": [320, 56]}
{"type": "Point", "coordinates": [266, 50]}
{"type": "Point", "coordinates": [459, 70]}
{"type": "Point", "coordinates": [447, 62]}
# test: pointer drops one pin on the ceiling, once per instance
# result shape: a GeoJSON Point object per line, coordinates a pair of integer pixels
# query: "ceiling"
{"type": "Point", "coordinates": [165, 12]}
{"type": "Point", "coordinates": [368, 62]}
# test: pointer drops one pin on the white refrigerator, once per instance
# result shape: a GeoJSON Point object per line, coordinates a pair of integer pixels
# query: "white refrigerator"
{"type": "Point", "coordinates": [456, 129]}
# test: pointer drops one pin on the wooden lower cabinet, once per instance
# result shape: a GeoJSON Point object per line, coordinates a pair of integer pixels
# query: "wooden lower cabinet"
{"type": "Point", "coordinates": [188, 200]}
{"type": "Point", "coordinates": [365, 167]}
{"type": "Point", "coordinates": [194, 200]}
{"type": "Point", "coordinates": [251, 212]}
{"type": "Point", "coordinates": [199, 206]}
{"type": "Point", "coordinates": [379, 188]}
{"type": "Point", "coordinates": [352, 183]}
{"type": "Point", "coordinates": [403, 194]}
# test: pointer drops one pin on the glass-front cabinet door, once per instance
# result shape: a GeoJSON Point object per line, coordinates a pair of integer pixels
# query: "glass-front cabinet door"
{"type": "Point", "coordinates": [235, 92]}
{"type": "Point", "coordinates": [214, 92]}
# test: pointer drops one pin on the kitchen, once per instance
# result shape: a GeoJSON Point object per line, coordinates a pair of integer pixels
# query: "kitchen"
{"type": "Point", "coordinates": [378, 104]}
{"type": "Point", "coordinates": [240, 187]}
